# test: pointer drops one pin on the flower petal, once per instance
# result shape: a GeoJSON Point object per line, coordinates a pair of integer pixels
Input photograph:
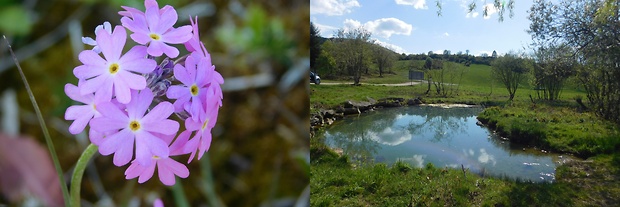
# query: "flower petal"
{"type": "Point", "coordinates": [147, 173]}
{"type": "Point", "coordinates": [179, 35]}
{"type": "Point", "coordinates": [74, 93]}
{"type": "Point", "coordinates": [159, 113]}
{"type": "Point", "coordinates": [166, 20]}
{"type": "Point", "coordinates": [112, 143]}
{"type": "Point", "coordinates": [122, 91]}
{"type": "Point", "coordinates": [131, 80]}
{"type": "Point", "coordinates": [89, 57]}
{"type": "Point", "coordinates": [139, 104]}
{"type": "Point", "coordinates": [175, 92]}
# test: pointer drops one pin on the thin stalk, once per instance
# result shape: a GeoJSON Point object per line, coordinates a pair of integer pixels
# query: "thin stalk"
{"type": "Point", "coordinates": [207, 181]}
{"type": "Point", "coordinates": [78, 172]}
{"type": "Point", "coordinates": [46, 134]}
{"type": "Point", "coordinates": [179, 194]}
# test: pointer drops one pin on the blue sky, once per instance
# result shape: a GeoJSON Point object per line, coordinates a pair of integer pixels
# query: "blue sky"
{"type": "Point", "coordinates": [412, 26]}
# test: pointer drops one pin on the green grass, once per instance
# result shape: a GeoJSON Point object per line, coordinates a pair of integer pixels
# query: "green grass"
{"type": "Point", "coordinates": [557, 126]}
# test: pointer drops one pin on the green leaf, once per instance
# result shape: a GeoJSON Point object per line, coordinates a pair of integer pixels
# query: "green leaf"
{"type": "Point", "coordinates": [15, 20]}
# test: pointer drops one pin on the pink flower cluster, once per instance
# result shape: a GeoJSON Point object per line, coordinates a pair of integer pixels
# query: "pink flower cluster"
{"type": "Point", "coordinates": [126, 96]}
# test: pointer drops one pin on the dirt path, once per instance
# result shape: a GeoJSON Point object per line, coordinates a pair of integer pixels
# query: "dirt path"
{"type": "Point", "coordinates": [375, 84]}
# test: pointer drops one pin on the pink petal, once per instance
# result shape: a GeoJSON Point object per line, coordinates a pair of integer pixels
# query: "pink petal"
{"type": "Point", "coordinates": [158, 203]}
{"type": "Point", "coordinates": [167, 20]}
{"type": "Point", "coordinates": [181, 73]}
{"type": "Point", "coordinates": [88, 71]}
{"type": "Point", "coordinates": [176, 167]}
{"type": "Point", "coordinates": [166, 127]}
{"type": "Point", "coordinates": [94, 84]}
{"type": "Point", "coordinates": [170, 51]}
{"type": "Point", "coordinates": [125, 152]}
{"type": "Point", "coordinates": [140, 104]}
{"type": "Point", "coordinates": [180, 102]}
{"type": "Point", "coordinates": [175, 91]}
{"type": "Point", "coordinates": [191, 146]}
{"type": "Point", "coordinates": [134, 170]}
{"type": "Point", "coordinates": [160, 112]}
{"type": "Point", "coordinates": [147, 173]}
{"type": "Point", "coordinates": [165, 175]}
{"type": "Point", "coordinates": [141, 38]}
{"type": "Point", "coordinates": [96, 137]}
{"type": "Point", "coordinates": [89, 57]}
{"type": "Point", "coordinates": [112, 112]}
{"type": "Point", "coordinates": [119, 37]}
{"type": "Point", "coordinates": [155, 48]}
{"type": "Point", "coordinates": [131, 80]}
{"type": "Point", "coordinates": [178, 36]}
{"type": "Point", "coordinates": [148, 145]}
{"type": "Point", "coordinates": [74, 93]}
{"type": "Point", "coordinates": [152, 18]}
{"type": "Point", "coordinates": [177, 146]}
{"type": "Point", "coordinates": [81, 114]}
{"type": "Point", "coordinates": [135, 53]}
{"type": "Point", "coordinates": [122, 91]}
{"type": "Point", "coordinates": [192, 125]}
{"type": "Point", "coordinates": [205, 143]}
{"type": "Point", "coordinates": [115, 141]}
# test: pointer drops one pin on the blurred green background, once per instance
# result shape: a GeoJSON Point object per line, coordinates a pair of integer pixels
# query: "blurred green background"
{"type": "Point", "coordinates": [259, 154]}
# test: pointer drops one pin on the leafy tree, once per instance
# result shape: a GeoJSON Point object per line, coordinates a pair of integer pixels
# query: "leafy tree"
{"type": "Point", "coordinates": [510, 70]}
{"type": "Point", "coordinates": [500, 5]}
{"type": "Point", "coordinates": [326, 61]}
{"type": "Point", "coordinates": [592, 28]}
{"type": "Point", "coordinates": [448, 78]}
{"type": "Point", "coordinates": [428, 65]}
{"type": "Point", "coordinates": [352, 51]}
{"type": "Point", "coordinates": [384, 58]}
{"type": "Point", "coordinates": [494, 54]}
{"type": "Point", "coordinates": [467, 52]}
{"type": "Point", "coordinates": [315, 45]}
{"type": "Point", "coordinates": [551, 67]}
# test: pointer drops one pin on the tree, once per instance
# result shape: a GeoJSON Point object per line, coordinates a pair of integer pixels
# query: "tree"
{"type": "Point", "coordinates": [494, 54]}
{"type": "Point", "coordinates": [446, 54]}
{"type": "Point", "coordinates": [467, 52]}
{"type": "Point", "coordinates": [551, 67]}
{"type": "Point", "coordinates": [448, 78]}
{"type": "Point", "coordinates": [352, 51]}
{"type": "Point", "coordinates": [384, 58]}
{"type": "Point", "coordinates": [592, 28]}
{"type": "Point", "coordinates": [326, 61]}
{"type": "Point", "coordinates": [428, 65]}
{"type": "Point", "coordinates": [315, 45]}
{"type": "Point", "coordinates": [510, 70]}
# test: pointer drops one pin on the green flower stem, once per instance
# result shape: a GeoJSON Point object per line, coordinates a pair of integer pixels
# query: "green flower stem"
{"type": "Point", "coordinates": [46, 133]}
{"type": "Point", "coordinates": [207, 181]}
{"type": "Point", "coordinates": [78, 172]}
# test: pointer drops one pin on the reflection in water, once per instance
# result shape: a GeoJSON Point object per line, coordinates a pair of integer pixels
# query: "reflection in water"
{"type": "Point", "coordinates": [444, 137]}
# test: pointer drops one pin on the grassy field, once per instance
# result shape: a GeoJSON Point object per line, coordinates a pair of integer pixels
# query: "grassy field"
{"type": "Point", "coordinates": [557, 126]}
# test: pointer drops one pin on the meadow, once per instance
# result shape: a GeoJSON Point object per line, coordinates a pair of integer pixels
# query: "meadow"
{"type": "Point", "coordinates": [560, 126]}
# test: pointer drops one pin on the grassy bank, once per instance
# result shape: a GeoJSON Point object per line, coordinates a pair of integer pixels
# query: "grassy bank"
{"type": "Point", "coordinates": [558, 126]}
{"type": "Point", "coordinates": [334, 182]}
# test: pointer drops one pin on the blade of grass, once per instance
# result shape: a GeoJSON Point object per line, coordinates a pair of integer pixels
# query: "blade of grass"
{"type": "Point", "coordinates": [78, 172]}
{"type": "Point", "coordinates": [46, 134]}
{"type": "Point", "coordinates": [207, 181]}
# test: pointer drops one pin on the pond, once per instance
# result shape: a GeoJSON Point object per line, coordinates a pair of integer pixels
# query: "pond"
{"type": "Point", "coordinates": [445, 137]}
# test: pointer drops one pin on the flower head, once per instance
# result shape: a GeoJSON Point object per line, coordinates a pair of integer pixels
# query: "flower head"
{"type": "Point", "coordinates": [81, 114]}
{"type": "Point", "coordinates": [136, 126]}
{"type": "Point", "coordinates": [155, 29]}
{"type": "Point", "coordinates": [202, 139]}
{"type": "Point", "coordinates": [116, 74]}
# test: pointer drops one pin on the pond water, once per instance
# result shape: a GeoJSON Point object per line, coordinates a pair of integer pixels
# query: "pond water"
{"type": "Point", "coordinates": [445, 137]}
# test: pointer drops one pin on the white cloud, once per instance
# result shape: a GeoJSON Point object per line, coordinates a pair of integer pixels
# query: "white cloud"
{"type": "Point", "coordinates": [332, 7]}
{"type": "Point", "coordinates": [390, 137]}
{"type": "Point", "coordinates": [472, 14]}
{"type": "Point", "coordinates": [417, 4]}
{"type": "Point", "coordinates": [326, 30]}
{"type": "Point", "coordinates": [490, 10]}
{"type": "Point", "coordinates": [446, 34]}
{"type": "Point", "coordinates": [384, 27]}
{"type": "Point", "coordinates": [416, 160]}
{"type": "Point", "coordinates": [392, 47]}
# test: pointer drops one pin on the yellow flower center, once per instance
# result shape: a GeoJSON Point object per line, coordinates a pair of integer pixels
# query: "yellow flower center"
{"type": "Point", "coordinates": [204, 125]}
{"type": "Point", "coordinates": [194, 90]}
{"type": "Point", "coordinates": [114, 68]}
{"type": "Point", "coordinates": [154, 36]}
{"type": "Point", "coordinates": [134, 125]}
{"type": "Point", "coordinates": [156, 157]}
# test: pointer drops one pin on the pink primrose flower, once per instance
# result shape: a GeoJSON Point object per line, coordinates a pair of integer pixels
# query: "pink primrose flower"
{"type": "Point", "coordinates": [115, 74]}
{"type": "Point", "coordinates": [155, 29]}
{"type": "Point", "coordinates": [135, 125]}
